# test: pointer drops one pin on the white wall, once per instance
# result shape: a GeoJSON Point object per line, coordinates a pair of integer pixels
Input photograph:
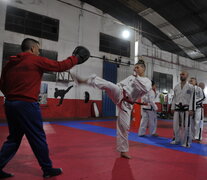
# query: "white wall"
{"type": "Point", "coordinates": [77, 27]}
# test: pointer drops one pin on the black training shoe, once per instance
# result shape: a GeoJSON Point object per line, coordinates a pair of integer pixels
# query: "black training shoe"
{"type": "Point", "coordinates": [5, 175]}
{"type": "Point", "coordinates": [52, 172]}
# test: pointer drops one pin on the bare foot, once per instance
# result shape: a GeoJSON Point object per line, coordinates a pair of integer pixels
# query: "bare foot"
{"type": "Point", "coordinates": [125, 155]}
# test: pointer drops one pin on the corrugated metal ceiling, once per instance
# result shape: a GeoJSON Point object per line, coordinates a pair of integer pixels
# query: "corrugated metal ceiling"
{"type": "Point", "coordinates": [178, 26]}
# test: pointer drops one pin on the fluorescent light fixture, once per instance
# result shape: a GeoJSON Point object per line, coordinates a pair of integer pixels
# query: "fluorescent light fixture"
{"type": "Point", "coordinates": [136, 60]}
{"type": "Point", "coordinates": [136, 48]}
{"type": "Point", "coordinates": [205, 91]}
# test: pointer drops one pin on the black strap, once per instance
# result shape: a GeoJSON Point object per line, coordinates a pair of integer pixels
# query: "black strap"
{"type": "Point", "coordinates": [180, 107]}
{"type": "Point", "coordinates": [146, 109]}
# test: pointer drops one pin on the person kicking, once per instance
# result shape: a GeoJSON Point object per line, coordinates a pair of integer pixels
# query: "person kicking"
{"type": "Point", "coordinates": [124, 95]}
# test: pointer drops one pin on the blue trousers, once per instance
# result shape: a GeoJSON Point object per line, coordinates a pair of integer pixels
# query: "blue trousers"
{"type": "Point", "coordinates": [24, 118]}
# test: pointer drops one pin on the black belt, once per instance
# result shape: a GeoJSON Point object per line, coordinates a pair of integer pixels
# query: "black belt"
{"type": "Point", "coordinates": [180, 107]}
{"type": "Point", "coordinates": [146, 109]}
{"type": "Point", "coordinates": [199, 106]}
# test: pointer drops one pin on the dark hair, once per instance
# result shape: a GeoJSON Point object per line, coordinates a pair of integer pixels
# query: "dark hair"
{"type": "Point", "coordinates": [28, 43]}
{"type": "Point", "coordinates": [153, 83]}
{"type": "Point", "coordinates": [195, 80]}
{"type": "Point", "coordinates": [141, 62]}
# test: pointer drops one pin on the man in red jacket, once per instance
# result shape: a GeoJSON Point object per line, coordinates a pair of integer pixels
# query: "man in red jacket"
{"type": "Point", "coordinates": [20, 83]}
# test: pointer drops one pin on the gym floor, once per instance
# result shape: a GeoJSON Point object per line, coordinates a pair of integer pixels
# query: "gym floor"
{"type": "Point", "coordinates": [86, 151]}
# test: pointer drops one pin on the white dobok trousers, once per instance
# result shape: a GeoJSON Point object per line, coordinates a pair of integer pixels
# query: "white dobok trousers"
{"type": "Point", "coordinates": [124, 115]}
{"type": "Point", "coordinates": [197, 124]}
{"type": "Point", "coordinates": [149, 117]}
{"type": "Point", "coordinates": [182, 127]}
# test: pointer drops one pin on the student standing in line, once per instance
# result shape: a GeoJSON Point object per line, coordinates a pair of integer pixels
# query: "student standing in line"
{"type": "Point", "coordinates": [149, 113]}
{"type": "Point", "coordinates": [183, 107]}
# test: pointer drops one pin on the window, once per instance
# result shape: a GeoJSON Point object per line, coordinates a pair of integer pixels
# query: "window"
{"type": "Point", "coordinates": [25, 22]}
{"type": "Point", "coordinates": [10, 50]}
{"type": "Point", "coordinates": [164, 82]}
{"type": "Point", "coordinates": [13, 49]}
{"type": "Point", "coordinates": [114, 45]}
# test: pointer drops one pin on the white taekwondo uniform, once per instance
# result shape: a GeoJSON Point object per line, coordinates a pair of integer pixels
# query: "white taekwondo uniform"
{"type": "Point", "coordinates": [149, 114]}
{"type": "Point", "coordinates": [197, 122]}
{"type": "Point", "coordinates": [123, 94]}
{"type": "Point", "coordinates": [183, 101]}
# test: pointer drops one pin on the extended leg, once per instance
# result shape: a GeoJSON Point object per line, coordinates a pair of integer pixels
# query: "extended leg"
{"type": "Point", "coordinates": [113, 91]}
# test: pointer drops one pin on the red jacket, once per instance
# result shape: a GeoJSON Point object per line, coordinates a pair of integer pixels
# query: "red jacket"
{"type": "Point", "coordinates": [22, 75]}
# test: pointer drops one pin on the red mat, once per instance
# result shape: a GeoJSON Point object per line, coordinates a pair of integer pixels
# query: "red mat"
{"type": "Point", "coordinates": [89, 156]}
